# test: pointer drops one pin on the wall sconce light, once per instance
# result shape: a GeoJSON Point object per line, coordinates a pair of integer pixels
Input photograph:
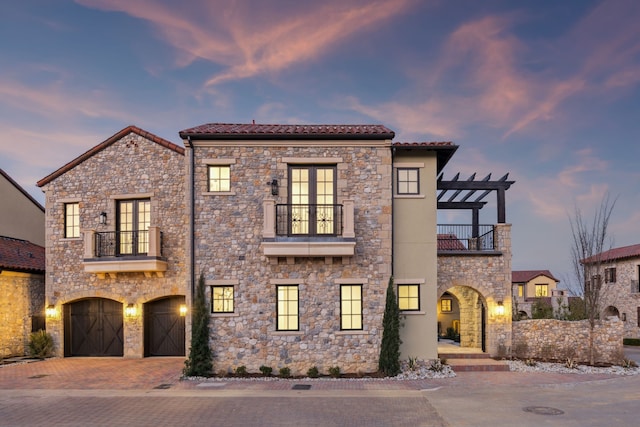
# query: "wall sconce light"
{"type": "Point", "coordinates": [51, 312]}
{"type": "Point", "coordinates": [103, 218]}
{"type": "Point", "coordinates": [274, 187]}
{"type": "Point", "coordinates": [500, 309]}
{"type": "Point", "coordinates": [183, 310]}
{"type": "Point", "coordinates": [130, 310]}
{"type": "Point", "coordinates": [624, 317]}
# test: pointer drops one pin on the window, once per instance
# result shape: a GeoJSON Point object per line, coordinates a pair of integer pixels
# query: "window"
{"type": "Point", "coordinates": [445, 305]}
{"type": "Point", "coordinates": [521, 290]}
{"type": "Point", "coordinates": [71, 220]}
{"type": "Point", "coordinates": [134, 219]}
{"type": "Point", "coordinates": [219, 178]}
{"type": "Point", "coordinates": [610, 275]}
{"type": "Point", "coordinates": [222, 299]}
{"type": "Point", "coordinates": [542, 290]}
{"type": "Point", "coordinates": [408, 181]}
{"type": "Point", "coordinates": [312, 208]}
{"type": "Point", "coordinates": [409, 297]}
{"type": "Point", "coordinates": [351, 307]}
{"type": "Point", "coordinates": [287, 308]}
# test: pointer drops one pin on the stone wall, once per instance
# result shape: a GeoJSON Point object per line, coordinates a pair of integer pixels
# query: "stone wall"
{"type": "Point", "coordinates": [551, 339]}
{"type": "Point", "coordinates": [228, 236]}
{"type": "Point", "coordinates": [21, 298]}
{"type": "Point", "coordinates": [132, 167]}
{"type": "Point", "coordinates": [623, 295]}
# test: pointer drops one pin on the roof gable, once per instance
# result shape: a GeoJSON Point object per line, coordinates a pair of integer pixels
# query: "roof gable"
{"type": "Point", "coordinates": [521, 276]}
{"type": "Point", "coordinates": [21, 255]}
{"type": "Point", "coordinates": [108, 142]}
{"type": "Point", "coordinates": [283, 131]}
{"type": "Point", "coordinates": [22, 190]}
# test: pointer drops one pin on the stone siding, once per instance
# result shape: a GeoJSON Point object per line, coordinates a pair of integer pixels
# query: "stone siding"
{"type": "Point", "coordinates": [21, 298]}
{"type": "Point", "coordinates": [551, 339]}
{"type": "Point", "coordinates": [132, 167]}
{"type": "Point", "coordinates": [481, 280]}
{"type": "Point", "coordinates": [228, 238]}
{"type": "Point", "coordinates": [623, 295]}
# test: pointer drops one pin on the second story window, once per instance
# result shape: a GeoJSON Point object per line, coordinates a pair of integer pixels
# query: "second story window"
{"type": "Point", "coordinates": [312, 208]}
{"type": "Point", "coordinates": [219, 178]}
{"type": "Point", "coordinates": [521, 290]}
{"type": "Point", "coordinates": [133, 222]}
{"type": "Point", "coordinates": [610, 275]}
{"type": "Point", "coordinates": [72, 220]}
{"type": "Point", "coordinates": [408, 181]}
{"type": "Point", "coordinates": [542, 290]}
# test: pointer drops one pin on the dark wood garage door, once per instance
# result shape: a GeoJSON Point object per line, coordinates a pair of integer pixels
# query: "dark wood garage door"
{"type": "Point", "coordinates": [93, 327]}
{"type": "Point", "coordinates": [164, 327]}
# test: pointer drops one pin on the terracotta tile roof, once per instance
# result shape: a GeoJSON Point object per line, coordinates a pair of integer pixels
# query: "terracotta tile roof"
{"type": "Point", "coordinates": [425, 144]}
{"type": "Point", "coordinates": [20, 255]}
{"type": "Point", "coordinates": [450, 242]}
{"type": "Point", "coordinates": [616, 253]}
{"type": "Point", "coordinates": [104, 144]}
{"type": "Point", "coordinates": [283, 131]}
{"type": "Point", "coordinates": [22, 190]}
{"type": "Point", "coordinates": [522, 276]}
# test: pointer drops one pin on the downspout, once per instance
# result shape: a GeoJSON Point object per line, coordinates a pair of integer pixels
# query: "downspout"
{"type": "Point", "coordinates": [192, 208]}
{"type": "Point", "coordinates": [393, 213]}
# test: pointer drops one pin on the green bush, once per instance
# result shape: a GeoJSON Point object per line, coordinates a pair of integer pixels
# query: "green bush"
{"type": "Point", "coordinates": [285, 372]}
{"type": "Point", "coordinates": [631, 341]}
{"type": "Point", "coordinates": [40, 344]}
{"type": "Point", "coordinates": [266, 370]}
{"type": "Point", "coordinates": [541, 309]}
{"type": "Point", "coordinates": [200, 361]}
{"type": "Point", "coordinates": [241, 371]}
{"type": "Point", "coordinates": [389, 361]}
{"type": "Point", "coordinates": [313, 372]}
{"type": "Point", "coordinates": [334, 371]}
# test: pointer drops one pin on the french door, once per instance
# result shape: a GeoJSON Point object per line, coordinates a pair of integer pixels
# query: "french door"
{"type": "Point", "coordinates": [312, 200]}
{"type": "Point", "coordinates": [134, 219]}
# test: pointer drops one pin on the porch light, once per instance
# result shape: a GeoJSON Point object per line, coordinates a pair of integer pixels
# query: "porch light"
{"type": "Point", "coordinates": [51, 312]}
{"type": "Point", "coordinates": [103, 218]}
{"type": "Point", "coordinates": [500, 309]}
{"type": "Point", "coordinates": [274, 187]}
{"type": "Point", "coordinates": [130, 310]}
{"type": "Point", "coordinates": [183, 310]}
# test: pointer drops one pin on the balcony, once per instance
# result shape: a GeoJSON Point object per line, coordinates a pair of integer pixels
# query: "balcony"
{"type": "Point", "coordinates": [308, 230]}
{"type": "Point", "coordinates": [466, 239]}
{"type": "Point", "coordinates": [113, 252]}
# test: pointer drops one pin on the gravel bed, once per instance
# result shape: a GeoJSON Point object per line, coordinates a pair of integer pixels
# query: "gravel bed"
{"type": "Point", "coordinates": [560, 368]}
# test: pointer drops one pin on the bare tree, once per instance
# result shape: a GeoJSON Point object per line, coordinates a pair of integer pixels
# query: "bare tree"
{"type": "Point", "coordinates": [590, 242]}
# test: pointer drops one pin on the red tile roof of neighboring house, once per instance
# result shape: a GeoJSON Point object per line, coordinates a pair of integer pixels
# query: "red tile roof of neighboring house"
{"type": "Point", "coordinates": [282, 131]}
{"type": "Point", "coordinates": [450, 242]}
{"type": "Point", "coordinates": [20, 255]}
{"type": "Point", "coordinates": [118, 136]}
{"type": "Point", "coordinates": [425, 144]}
{"type": "Point", "coordinates": [22, 190]}
{"type": "Point", "coordinates": [615, 253]}
{"type": "Point", "coordinates": [523, 276]}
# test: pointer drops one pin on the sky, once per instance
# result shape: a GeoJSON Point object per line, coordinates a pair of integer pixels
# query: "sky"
{"type": "Point", "coordinates": [545, 90]}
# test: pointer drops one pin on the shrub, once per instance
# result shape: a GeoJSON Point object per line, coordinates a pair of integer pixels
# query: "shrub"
{"type": "Point", "coordinates": [413, 363]}
{"type": "Point", "coordinates": [541, 309]}
{"type": "Point", "coordinates": [266, 370]}
{"type": "Point", "coordinates": [40, 344]}
{"type": "Point", "coordinates": [631, 341]}
{"type": "Point", "coordinates": [285, 372]}
{"type": "Point", "coordinates": [334, 371]}
{"type": "Point", "coordinates": [200, 361]}
{"type": "Point", "coordinates": [530, 362]}
{"type": "Point", "coordinates": [628, 363]}
{"type": "Point", "coordinates": [438, 365]}
{"type": "Point", "coordinates": [241, 371]}
{"type": "Point", "coordinates": [389, 361]}
{"type": "Point", "coordinates": [313, 372]}
{"type": "Point", "coordinates": [571, 363]}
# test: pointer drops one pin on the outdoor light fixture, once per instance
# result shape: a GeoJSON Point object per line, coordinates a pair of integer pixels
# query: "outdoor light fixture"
{"type": "Point", "coordinates": [51, 312]}
{"type": "Point", "coordinates": [130, 310]}
{"type": "Point", "coordinates": [274, 187]}
{"type": "Point", "coordinates": [183, 310]}
{"type": "Point", "coordinates": [103, 218]}
{"type": "Point", "coordinates": [500, 309]}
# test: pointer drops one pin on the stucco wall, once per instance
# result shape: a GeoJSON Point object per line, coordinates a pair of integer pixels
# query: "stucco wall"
{"type": "Point", "coordinates": [20, 218]}
{"type": "Point", "coordinates": [551, 339]}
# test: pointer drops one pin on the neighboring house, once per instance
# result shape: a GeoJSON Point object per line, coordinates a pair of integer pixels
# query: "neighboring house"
{"type": "Point", "coordinates": [620, 271]}
{"type": "Point", "coordinates": [21, 216]}
{"type": "Point", "coordinates": [529, 286]}
{"type": "Point", "coordinates": [296, 230]}
{"type": "Point", "coordinates": [21, 267]}
{"type": "Point", "coordinates": [116, 251]}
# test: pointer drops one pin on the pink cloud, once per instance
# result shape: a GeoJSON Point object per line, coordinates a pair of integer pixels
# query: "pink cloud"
{"type": "Point", "coordinates": [252, 38]}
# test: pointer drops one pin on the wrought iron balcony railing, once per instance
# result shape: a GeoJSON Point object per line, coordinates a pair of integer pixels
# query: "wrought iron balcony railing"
{"type": "Point", "coordinates": [309, 220]}
{"type": "Point", "coordinates": [457, 237]}
{"type": "Point", "coordinates": [123, 243]}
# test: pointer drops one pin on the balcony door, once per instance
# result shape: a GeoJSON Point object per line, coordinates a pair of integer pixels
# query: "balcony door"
{"type": "Point", "coordinates": [312, 200]}
{"type": "Point", "coordinates": [134, 219]}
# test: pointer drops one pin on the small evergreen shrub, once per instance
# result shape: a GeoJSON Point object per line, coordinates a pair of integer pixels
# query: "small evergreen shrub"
{"type": "Point", "coordinates": [628, 363]}
{"type": "Point", "coordinates": [334, 371]}
{"type": "Point", "coordinates": [389, 361]}
{"type": "Point", "coordinates": [40, 344]}
{"type": "Point", "coordinates": [200, 361]}
{"type": "Point", "coordinates": [266, 370]}
{"type": "Point", "coordinates": [437, 365]}
{"type": "Point", "coordinates": [313, 372]}
{"type": "Point", "coordinates": [241, 371]}
{"type": "Point", "coordinates": [631, 341]}
{"type": "Point", "coordinates": [285, 372]}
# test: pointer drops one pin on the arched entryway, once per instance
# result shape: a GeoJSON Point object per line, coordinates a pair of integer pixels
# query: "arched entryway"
{"type": "Point", "coordinates": [462, 313]}
{"type": "Point", "coordinates": [93, 327]}
{"type": "Point", "coordinates": [611, 311]}
{"type": "Point", "coordinates": [164, 330]}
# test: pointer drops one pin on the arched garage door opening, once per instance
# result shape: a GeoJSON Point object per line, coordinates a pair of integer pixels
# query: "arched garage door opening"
{"type": "Point", "coordinates": [93, 327]}
{"type": "Point", "coordinates": [164, 327]}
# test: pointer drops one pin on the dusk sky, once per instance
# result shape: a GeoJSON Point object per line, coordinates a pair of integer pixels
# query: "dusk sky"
{"type": "Point", "coordinates": [545, 90]}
